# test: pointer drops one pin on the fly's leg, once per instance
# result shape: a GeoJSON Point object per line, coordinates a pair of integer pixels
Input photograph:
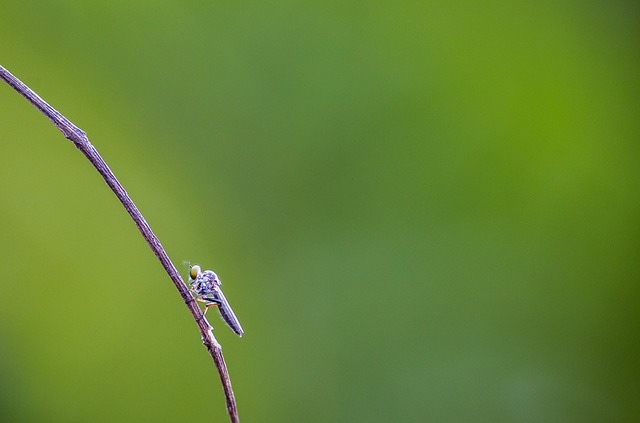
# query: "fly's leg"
{"type": "Point", "coordinates": [209, 302]}
{"type": "Point", "coordinates": [205, 302]}
{"type": "Point", "coordinates": [192, 289]}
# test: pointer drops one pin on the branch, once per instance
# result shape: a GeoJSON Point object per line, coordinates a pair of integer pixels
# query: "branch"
{"type": "Point", "coordinates": [80, 140]}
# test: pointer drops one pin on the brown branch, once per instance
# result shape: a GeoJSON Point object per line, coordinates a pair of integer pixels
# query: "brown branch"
{"type": "Point", "coordinates": [80, 140]}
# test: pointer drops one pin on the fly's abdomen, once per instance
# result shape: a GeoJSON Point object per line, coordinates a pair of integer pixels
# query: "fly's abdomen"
{"type": "Point", "coordinates": [227, 313]}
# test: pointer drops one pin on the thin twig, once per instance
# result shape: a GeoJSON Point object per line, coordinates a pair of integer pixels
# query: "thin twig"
{"type": "Point", "coordinates": [80, 140]}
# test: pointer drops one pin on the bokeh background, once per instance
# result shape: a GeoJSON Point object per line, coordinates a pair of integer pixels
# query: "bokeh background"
{"type": "Point", "coordinates": [421, 211]}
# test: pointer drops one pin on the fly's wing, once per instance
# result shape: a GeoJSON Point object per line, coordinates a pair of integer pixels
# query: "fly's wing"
{"type": "Point", "coordinates": [226, 312]}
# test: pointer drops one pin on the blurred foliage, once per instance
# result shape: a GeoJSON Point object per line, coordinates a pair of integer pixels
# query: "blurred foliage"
{"type": "Point", "coordinates": [420, 211]}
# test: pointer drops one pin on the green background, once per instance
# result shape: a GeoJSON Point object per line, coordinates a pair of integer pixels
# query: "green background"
{"type": "Point", "coordinates": [421, 211]}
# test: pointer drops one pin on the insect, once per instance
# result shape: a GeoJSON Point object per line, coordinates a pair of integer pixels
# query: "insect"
{"type": "Point", "coordinates": [205, 286]}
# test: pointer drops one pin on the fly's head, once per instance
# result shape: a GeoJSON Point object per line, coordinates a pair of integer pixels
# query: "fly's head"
{"type": "Point", "coordinates": [194, 273]}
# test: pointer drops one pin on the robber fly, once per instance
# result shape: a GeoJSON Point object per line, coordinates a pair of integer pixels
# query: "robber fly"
{"type": "Point", "coordinates": [205, 286]}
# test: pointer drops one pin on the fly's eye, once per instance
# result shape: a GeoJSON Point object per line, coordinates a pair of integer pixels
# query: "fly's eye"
{"type": "Point", "coordinates": [193, 273]}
